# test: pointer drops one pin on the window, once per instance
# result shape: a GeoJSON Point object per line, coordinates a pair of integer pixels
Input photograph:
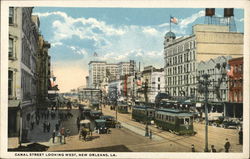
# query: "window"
{"type": "Point", "coordinates": [11, 49]}
{"type": "Point", "coordinates": [159, 86]}
{"type": "Point", "coordinates": [11, 15]}
{"type": "Point", "coordinates": [10, 83]}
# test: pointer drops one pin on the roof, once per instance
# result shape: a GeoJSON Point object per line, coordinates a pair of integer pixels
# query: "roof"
{"type": "Point", "coordinates": [94, 111]}
{"type": "Point", "coordinates": [84, 121]}
{"type": "Point", "coordinates": [100, 120]}
{"type": "Point", "coordinates": [170, 34]}
{"type": "Point", "coordinates": [106, 117]}
{"type": "Point", "coordinates": [170, 110]}
{"type": "Point", "coordinates": [142, 107]}
{"type": "Point", "coordinates": [175, 114]}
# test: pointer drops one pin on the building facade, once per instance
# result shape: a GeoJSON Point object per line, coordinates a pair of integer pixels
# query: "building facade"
{"type": "Point", "coordinates": [235, 96]}
{"type": "Point", "coordinates": [43, 70]}
{"type": "Point", "coordinates": [23, 70]}
{"type": "Point", "coordinates": [98, 70]}
{"type": "Point", "coordinates": [183, 54]}
{"type": "Point", "coordinates": [217, 71]}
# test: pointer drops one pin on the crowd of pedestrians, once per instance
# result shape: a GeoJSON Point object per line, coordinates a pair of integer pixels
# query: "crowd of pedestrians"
{"type": "Point", "coordinates": [47, 117]}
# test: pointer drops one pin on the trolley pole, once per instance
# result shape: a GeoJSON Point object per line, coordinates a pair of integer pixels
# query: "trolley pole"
{"type": "Point", "coordinates": [206, 83]}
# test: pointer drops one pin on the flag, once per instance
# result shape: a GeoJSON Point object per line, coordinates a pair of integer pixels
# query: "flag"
{"type": "Point", "coordinates": [173, 20]}
{"type": "Point", "coordinates": [230, 71]}
{"type": "Point", "coordinates": [95, 54]}
{"type": "Point", "coordinates": [52, 82]}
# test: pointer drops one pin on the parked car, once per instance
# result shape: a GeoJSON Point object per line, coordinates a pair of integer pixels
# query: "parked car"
{"type": "Point", "coordinates": [230, 125]}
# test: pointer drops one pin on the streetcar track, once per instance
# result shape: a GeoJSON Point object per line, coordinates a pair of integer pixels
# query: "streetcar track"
{"type": "Point", "coordinates": [187, 141]}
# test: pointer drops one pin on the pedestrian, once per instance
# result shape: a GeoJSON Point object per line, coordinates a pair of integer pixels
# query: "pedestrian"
{"type": "Point", "coordinates": [213, 149]}
{"type": "Point", "coordinates": [150, 134]}
{"type": "Point", "coordinates": [241, 136]}
{"type": "Point", "coordinates": [57, 126]}
{"type": "Point", "coordinates": [37, 122]}
{"type": "Point", "coordinates": [227, 145]}
{"type": "Point", "coordinates": [44, 126]}
{"type": "Point", "coordinates": [192, 148]}
{"type": "Point", "coordinates": [53, 136]}
{"type": "Point", "coordinates": [60, 136]}
{"type": "Point", "coordinates": [84, 135]}
{"type": "Point", "coordinates": [62, 131]}
{"type": "Point", "coordinates": [48, 127]}
{"type": "Point", "coordinates": [32, 125]}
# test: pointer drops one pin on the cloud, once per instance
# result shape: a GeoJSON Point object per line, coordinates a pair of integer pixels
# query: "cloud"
{"type": "Point", "coordinates": [185, 22]}
{"type": "Point", "coordinates": [150, 30]}
{"type": "Point", "coordinates": [55, 44]}
{"type": "Point", "coordinates": [77, 38]}
{"type": "Point", "coordinates": [78, 50]}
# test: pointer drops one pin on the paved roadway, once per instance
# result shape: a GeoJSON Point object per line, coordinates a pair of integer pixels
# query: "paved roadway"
{"type": "Point", "coordinates": [172, 142]}
{"type": "Point", "coordinates": [131, 138]}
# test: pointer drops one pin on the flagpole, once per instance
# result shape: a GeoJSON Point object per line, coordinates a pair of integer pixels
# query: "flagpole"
{"type": "Point", "coordinates": [170, 22]}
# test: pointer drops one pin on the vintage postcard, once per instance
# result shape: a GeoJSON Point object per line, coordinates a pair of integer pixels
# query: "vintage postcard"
{"type": "Point", "coordinates": [125, 79]}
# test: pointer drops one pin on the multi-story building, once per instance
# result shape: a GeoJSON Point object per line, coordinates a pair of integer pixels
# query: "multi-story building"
{"type": "Point", "coordinates": [98, 70]}
{"type": "Point", "coordinates": [155, 82]}
{"type": "Point", "coordinates": [157, 85]}
{"type": "Point", "coordinates": [217, 71]}
{"type": "Point", "coordinates": [183, 54]}
{"type": "Point", "coordinates": [14, 70]}
{"type": "Point", "coordinates": [43, 70]}
{"type": "Point", "coordinates": [23, 75]}
{"type": "Point", "coordinates": [235, 96]}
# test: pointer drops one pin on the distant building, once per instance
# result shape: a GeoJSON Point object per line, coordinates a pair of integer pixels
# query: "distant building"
{"type": "Point", "coordinates": [235, 95]}
{"type": "Point", "coordinates": [155, 82]}
{"type": "Point", "coordinates": [183, 54]}
{"type": "Point", "coordinates": [98, 70]}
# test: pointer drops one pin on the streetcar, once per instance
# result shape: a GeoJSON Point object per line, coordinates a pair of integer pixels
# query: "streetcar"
{"type": "Point", "coordinates": [122, 107]}
{"type": "Point", "coordinates": [143, 114]}
{"type": "Point", "coordinates": [174, 120]}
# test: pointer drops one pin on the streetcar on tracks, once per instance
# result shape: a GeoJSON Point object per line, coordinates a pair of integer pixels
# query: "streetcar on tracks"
{"type": "Point", "coordinates": [122, 107]}
{"type": "Point", "coordinates": [174, 120]}
{"type": "Point", "coordinates": [143, 114]}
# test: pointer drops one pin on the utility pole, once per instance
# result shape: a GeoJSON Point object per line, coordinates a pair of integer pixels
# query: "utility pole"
{"type": "Point", "coordinates": [204, 89]}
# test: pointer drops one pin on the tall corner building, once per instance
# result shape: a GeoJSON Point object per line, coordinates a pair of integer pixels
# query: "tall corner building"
{"type": "Point", "coordinates": [183, 54]}
{"type": "Point", "coordinates": [98, 70]}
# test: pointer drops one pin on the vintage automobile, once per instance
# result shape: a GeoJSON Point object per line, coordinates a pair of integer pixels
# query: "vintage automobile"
{"type": "Point", "coordinates": [86, 111]}
{"type": "Point", "coordinates": [110, 121]}
{"type": "Point", "coordinates": [95, 114]}
{"type": "Point", "coordinates": [230, 125]}
{"type": "Point", "coordinates": [81, 107]}
{"type": "Point", "coordinates": [101, 126]}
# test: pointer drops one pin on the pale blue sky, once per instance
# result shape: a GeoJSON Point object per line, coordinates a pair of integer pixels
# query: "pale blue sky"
{"type": "Point", "coordinates": [116, 34]}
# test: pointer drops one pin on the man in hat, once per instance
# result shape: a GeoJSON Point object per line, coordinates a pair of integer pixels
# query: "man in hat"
{"type": "Point", "coordinates": [227, 145]}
